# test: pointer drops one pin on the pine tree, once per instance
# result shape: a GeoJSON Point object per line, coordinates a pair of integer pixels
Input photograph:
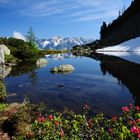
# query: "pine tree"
{"type": "Point", "coordinates": [103, 29]}
{"type": "Point", "coordinates": [31, 39]}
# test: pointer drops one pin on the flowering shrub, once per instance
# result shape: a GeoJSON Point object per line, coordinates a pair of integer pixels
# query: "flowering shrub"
{"type": "Point", "coordinates": [68, 125]}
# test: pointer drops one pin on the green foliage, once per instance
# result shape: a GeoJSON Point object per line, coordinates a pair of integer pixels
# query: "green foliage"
{"type": "Point", "coordinates": [45, 52]}
{"type": "Point", "coordinates": [21, 121]}
{"type": "Point", "coordinates": [3, 106]}
{"type": "Point", "coordinates": [31, 39]}
{"type": "Point", "coordinates": [15, 42]}
{"type": "Point", "coordinates": [3, 93]}
{"type": "Point", "coordinates": [26, 51]}
{"type": "Point", "coordinates": [1, 42]}
{"type": "Point", "coordinates": [20, 49]}
{"type": "Point", "coordinates": [68, 125]}
{"type": "Point", "coordinates": [10, 59]}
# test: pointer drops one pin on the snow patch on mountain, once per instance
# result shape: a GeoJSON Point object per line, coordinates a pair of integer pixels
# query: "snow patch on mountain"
{"type": "Point", "coordinates": [132, 45]}
{"type": "Point", "coordinates": [129, 50]}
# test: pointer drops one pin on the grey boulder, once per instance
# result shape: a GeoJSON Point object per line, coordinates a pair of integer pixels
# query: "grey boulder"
{"type": "Point", "coordinates": [63, 69]}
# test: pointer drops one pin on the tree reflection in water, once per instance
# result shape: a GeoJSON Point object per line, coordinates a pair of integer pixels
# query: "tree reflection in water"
{"type": "Point", "coordinates": [127, 73]}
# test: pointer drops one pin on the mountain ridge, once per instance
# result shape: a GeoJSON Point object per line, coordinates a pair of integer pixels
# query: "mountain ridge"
{"type": "Point", "coordinates": [124, 28]}
{"type": "Point", "coordinates": [121, 29]}
{"type": "Point", "coordinates": [59, 43]}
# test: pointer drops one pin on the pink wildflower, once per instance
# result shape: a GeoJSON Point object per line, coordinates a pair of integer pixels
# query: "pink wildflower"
{"type": "Point", "coordinates": [132, 122]}
{"type": "Point", "coordinates": [138, 120]}
{"type": "Point", "coordinates": [138, 136]}
{"type": "Point", "coordinates": [50, 117]}
{"type": "Point", "coordinates": [114, 118]}
{"type": "Point", "coordinates": [131, 106]}
{"type": "Point", "coordinates": [137, 108]}
{"type": "Point", "coordinates": [125, 109]}
{"type": "Point", "coordinates": [110, 130]}
{"type": "Point", "coordinates": [41, 119]}
{"type": "Point", "coordinates": [90, 123]}
{"type": "Point", "coordinates": [135, 130]}
{"type": "Point", "coordinates": [56, 123]}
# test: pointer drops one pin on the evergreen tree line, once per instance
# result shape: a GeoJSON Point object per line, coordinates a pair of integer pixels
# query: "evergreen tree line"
{"type": "Point", "coordinates": [126, 14]}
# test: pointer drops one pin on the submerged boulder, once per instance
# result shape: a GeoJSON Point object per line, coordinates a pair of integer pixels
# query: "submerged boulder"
{"type": "Point", "coordinates": [62, 69]}
{"type": "Point", "coordinates": [41, 62]}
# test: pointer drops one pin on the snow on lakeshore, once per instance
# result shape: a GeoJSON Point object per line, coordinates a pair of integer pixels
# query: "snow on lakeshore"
{"type": "Point", "coordinates": [123, 49]}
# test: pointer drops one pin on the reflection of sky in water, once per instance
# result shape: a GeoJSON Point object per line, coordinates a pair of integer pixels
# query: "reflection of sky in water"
{"type": "Point", "coordinates": [86, 84]}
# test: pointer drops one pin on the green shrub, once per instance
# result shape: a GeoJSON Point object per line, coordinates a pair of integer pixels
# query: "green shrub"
{"type": "Point", "coordinates": [68, 125]}
{"type": "Point", "coordinates": [3, 93]}
{"type": "Point", "coordinates": [10, 59]}
{"type": "Point", "coordinates": [3, 106]}
{"type": "Point", "coordinates": [20, 49]}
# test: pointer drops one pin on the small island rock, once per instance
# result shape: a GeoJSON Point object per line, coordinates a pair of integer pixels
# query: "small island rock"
{"type": "Point", "coordinates": [63, 69]}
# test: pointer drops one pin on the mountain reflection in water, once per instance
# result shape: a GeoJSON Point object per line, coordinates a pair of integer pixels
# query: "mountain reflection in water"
{"type": "Point", "coordinates": [127, 73]}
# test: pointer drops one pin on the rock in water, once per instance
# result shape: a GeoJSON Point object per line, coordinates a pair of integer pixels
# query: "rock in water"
{"type": "Point", "coordinates": [41, 62]}
{"type": "Point", "coordinates": [63, 69]}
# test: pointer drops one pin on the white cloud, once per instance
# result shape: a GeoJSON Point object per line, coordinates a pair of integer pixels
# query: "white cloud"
{"type": "Point", "coordinates": [97, 16]}
{"type": "Point", "coordinates": [19, 35]}
{"type": "Point", "coordinates": [72, 10]}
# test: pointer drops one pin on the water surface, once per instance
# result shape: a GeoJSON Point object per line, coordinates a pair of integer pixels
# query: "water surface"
{"type": "Point", "coordinates": [106, 83]}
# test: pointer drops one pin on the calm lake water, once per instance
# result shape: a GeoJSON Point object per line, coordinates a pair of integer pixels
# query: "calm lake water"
{"type": "Point", "coordinates": [106, 83]}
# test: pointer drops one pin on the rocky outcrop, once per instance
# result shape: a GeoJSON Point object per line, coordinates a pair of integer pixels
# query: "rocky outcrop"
{"type": "Point", "coordinates": [63, 69]}
{"type": "Point", "coordinates": [3, 51]}
{"type": "Point", "coordinates": [1, 56]}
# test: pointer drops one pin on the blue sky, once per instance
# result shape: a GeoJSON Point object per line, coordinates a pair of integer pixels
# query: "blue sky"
{"type": "Point", "coordinates": [65, 18]}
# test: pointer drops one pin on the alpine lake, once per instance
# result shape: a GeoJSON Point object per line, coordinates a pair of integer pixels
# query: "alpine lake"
{"type": "Point", "coordinates": [104, 82]}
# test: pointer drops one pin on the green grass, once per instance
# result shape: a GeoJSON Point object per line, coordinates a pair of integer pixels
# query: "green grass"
{"type": "Point", "coordinates": [3, 106]}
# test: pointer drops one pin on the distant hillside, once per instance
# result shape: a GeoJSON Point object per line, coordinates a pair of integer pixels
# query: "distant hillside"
{"type": "Point", "coordinates": [125, 27]}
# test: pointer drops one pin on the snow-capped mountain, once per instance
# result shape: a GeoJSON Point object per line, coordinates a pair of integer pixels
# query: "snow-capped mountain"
{"type": "Point", "coordinates": [59, 43]}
